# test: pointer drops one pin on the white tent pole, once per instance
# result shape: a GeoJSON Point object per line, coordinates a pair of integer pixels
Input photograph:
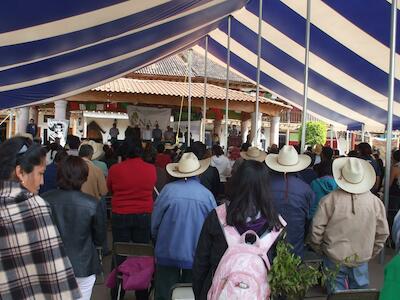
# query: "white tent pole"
{"type": "Point", "coordinates": [189, 96]}
{"type": "Point", "coordinates": [347, 141]}
{"type": "Point", "coordinates": [228, 64]}
{"type": "Point", "coordinates": [331, 136]}
{"type": "Point", "coordinates": [390, 110]}
{"type": "Point", "coordinates": [205, 92]}
{"type": "Point", "coordinates": [257, 129]}
{"type": "Point", "coordinates": [306, 65]}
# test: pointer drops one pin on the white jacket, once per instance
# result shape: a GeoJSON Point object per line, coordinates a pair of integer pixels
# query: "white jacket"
{"type": "Point", "coordinates": [223, 166]}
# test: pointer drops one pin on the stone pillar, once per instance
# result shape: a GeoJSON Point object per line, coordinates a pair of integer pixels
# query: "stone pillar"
{"type": "Point", "coordinates": [275, 130]}
{"type": "Point", "coordinates": [255, 136]}
{"type": "Point", "coordinates": [60, 109]}
{"type": "Point", "coordinates": [22, 119]}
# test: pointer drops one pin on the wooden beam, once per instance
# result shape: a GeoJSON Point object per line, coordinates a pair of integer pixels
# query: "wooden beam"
{"type": "Point", "coordinates": [245, 106]}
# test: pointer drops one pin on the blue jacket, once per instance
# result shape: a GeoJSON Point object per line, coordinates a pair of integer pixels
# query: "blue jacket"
{"type": "Point", "coordinates": [293, 200]}
{"type": "Point", "coordinates": [321, 187]}
{"type": "Point", "coordinates": [178, 216]}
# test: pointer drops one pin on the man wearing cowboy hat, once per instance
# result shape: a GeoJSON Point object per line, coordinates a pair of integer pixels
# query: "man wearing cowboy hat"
{"type": "Point", "coordinates": [350, 225]}
{"type": "Point", "coordinates": [292, 197]}
{"type": "Point", "coordinates": [178, 216]}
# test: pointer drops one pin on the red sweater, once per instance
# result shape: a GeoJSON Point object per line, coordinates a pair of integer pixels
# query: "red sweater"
{"type": "Point", "coordinates": [131, 183]}
{"type": "Point", "coordinates": [162, 160]}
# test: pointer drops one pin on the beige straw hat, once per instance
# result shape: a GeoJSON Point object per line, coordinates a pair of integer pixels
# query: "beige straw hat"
{"type": "Point", "coordinates": [288, 160]}
{"type": "Point", "coordinates": [354, 175]}
{"type": "Point", "coordinates": [253, 153]}
{"type": "Point", "coordinates": [189, 165]}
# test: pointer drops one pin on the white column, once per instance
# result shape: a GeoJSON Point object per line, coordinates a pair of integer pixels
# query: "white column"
{"type": "Point", "coordinates": [275, 130]}
{"type": "Point", "coordinates": [363, 133]}
{"type": "Point", "coordinates": [331, 136]}
{"type": "Point", "coordinates": [288, 128]}
{"type": "Point", "coordinates": [84, 127]}
{"type": "Point", "coordinates": [33, 114]}
{"type": "Point", "coordinates": [255, 125]}
{"type": "Point", "coordinates": [60, 109]}
{"type": "Point", "coordinates": [244, 129]}
{"type": "Point", "coordinates": [10, 123]}
{"type": "Point", "coordinates": [23, 119]}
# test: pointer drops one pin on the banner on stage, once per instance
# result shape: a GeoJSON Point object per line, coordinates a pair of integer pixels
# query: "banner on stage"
{"type": "Point", "coordinates": [142, 116]}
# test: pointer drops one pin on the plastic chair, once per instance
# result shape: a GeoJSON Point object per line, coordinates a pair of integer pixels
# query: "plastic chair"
{"type": "Point", "coordinates": [129, 250]}
{"type": "Point", "coordinates": [362, 294]}
{"type": "Point", "coordinates": [182, 291]}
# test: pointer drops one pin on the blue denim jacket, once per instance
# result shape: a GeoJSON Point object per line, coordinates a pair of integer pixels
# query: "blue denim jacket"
{"type": "Point", "coordinates": [178, 216]}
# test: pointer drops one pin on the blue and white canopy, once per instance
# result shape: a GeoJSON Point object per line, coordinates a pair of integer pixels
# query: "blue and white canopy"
{"type": "Point", "coordinates": [52, 49]}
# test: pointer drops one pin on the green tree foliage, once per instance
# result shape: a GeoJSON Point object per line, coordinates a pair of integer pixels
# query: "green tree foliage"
{"type": "Point", "coordinates": [315, 133]}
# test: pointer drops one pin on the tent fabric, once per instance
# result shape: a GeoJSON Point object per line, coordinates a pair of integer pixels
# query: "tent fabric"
{"type": "Point", "coordinates": [349, 57]}
{"type": "Point", "coordinates": [50, 50]}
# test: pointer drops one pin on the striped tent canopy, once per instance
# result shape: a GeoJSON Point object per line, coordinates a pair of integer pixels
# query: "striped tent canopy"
{"type": "Point", "coordinates": [50, 50]}
{"type": "Point", "coordinates": [349, 56]}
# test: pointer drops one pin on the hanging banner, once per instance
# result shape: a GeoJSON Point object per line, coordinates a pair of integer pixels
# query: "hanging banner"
{"type": "Point", "coordinates": [142, 116]}
{"type": "Point", "coordinates": [57, 129]}
{"type": "Point", "coordinates": [195, 129]}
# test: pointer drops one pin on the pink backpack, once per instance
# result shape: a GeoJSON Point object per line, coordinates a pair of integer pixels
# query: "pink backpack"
{"type": "Point", "coordinates": [242, 271]}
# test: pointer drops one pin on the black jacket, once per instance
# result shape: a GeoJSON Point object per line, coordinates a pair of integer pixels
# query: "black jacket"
{"type": "Point", "coordinates": [81, 223]}
{"type": "Point", "coordinates": [210, 179]}
{"type": "Point", "coordinates": [210, 249]}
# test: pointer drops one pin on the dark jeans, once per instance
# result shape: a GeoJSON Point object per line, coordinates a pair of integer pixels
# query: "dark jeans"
{"type": "Point", "coordinates": [130, 228]}
{"type": "Point", "coordinates": [166, 277]}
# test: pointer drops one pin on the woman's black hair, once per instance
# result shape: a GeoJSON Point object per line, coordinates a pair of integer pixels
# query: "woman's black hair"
{"type": "Point", "coordinates": [19, 151]}
{"type": "Point", "coordinates": [324, 168]}
{"type": "Point", "coordinates": [72, 172]}
{"type": "Point", "coordinates": [248, 195]}
{"type": "Point", "coordinates": [396, 155]}
{"type": "Point", "coordinates": [132, 148]}
{"type": "Point", "coordinates": [217, 150]}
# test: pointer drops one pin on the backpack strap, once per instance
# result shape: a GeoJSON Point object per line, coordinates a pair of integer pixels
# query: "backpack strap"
{"type": "Point", "coordinates": [269, 239]}
{"type": "Point", "coordinates": [232, 236]}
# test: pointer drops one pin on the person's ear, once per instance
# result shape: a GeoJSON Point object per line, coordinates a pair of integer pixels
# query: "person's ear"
{"type": "Point", "coordinates": [20, 174]}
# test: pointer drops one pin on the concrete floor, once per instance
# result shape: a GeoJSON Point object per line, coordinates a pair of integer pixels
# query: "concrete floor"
{"type": "Point", "coordinates": [101, 292]}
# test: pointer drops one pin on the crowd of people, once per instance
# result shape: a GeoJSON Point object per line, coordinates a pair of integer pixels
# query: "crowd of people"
{"type": "Point", "coordinates": [190, 202]}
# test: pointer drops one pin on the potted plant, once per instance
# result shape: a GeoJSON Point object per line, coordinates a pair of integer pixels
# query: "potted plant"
{"type": "Point", "coordinates": [290, 278]}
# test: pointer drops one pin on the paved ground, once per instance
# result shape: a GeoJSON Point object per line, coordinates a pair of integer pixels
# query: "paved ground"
{"type": "Point", "coordinates": [101, 292]}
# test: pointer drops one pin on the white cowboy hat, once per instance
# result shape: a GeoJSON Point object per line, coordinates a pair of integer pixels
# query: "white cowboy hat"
{"type": "Point", "coordinates": [97, 148]}
{"type": "Point", "coordinates": [189, 165]}
{"type": "Point", "coordinates": [288, 160]}
{"type": "Point", "coordinates": [354, 175]}
{"type": "Point", "coordinates": [253, 153]}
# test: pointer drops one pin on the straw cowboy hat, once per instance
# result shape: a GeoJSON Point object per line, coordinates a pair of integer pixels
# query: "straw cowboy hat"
{"type": "Point", "coordinates": [288, 160]}
{"type": "Point", "coordinates": [253, 153]}
{"type": "Point", "coordinates": [188, 166]}
{"type": "Point", "coordinates": [354, 175]}
{"type": "Point", "coordinates": [97, 148]}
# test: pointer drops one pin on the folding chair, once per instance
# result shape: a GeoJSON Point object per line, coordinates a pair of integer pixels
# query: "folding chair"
{"type": "Point", "coordinates": [182, 291]}
{"type": "Point", "coordinates": [129, 250]}
{"type": "Point", "coordinates": [362, 294]}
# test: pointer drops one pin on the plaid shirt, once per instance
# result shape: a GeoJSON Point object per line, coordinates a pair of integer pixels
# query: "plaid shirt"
{"type": "Point", "coordinates": [33, 263]}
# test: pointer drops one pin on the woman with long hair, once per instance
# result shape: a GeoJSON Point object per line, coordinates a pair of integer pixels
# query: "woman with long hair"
{"type": "Point", "coordinates": [33, 262]}
{"type": "Point", "coordinates": [79, 219]}
{"type": "Point", "coordinates": [250, 207]}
